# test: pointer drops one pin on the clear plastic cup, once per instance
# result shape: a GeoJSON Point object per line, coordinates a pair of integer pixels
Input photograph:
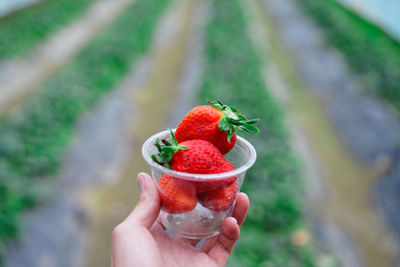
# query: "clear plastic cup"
{"type": "Point", "coordinates": [200, 222]}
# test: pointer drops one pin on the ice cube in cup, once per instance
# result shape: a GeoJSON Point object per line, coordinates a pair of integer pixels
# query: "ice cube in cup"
{"type": "Point", "coordinates": [202, 218]}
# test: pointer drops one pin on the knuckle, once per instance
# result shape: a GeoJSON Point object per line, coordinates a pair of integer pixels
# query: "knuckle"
{"type": "Point", "coordinates": [143, 198]}
{"type": "Point", "coordinates": [226, 243]}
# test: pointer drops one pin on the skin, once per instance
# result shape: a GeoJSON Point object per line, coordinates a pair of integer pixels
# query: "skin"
{"type": "Point", "coordinates": [140, 240]}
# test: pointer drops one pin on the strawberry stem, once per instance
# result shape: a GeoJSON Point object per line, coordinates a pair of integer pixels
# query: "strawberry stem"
{"type": "Point", "coordinates": [232, 120]}
{"type": "Point", "coordinates": [166, 150]}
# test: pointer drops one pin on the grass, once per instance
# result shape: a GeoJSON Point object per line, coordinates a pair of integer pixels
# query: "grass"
{"type": "Point", "coordinates": [21, 31]}
{"type": "Point", "coordinates": [32, 140]}
{"type": "Point", "coordinates": [369, 51]}
{"type": "Point", "coordinates": [233, 75]}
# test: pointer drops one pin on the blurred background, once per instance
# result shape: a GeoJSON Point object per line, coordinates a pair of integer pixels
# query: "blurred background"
{"type": "Point", "coordinates": [84, 82]}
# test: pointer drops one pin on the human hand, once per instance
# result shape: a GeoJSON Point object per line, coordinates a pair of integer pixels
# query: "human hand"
{"type": "Point", "coordinates": [141, 240]}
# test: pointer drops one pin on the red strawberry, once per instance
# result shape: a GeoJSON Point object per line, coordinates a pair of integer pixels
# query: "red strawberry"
{"type": "Point", "coordinates": [200, 157]}
{"type": "Point", "coordinates": [216, 123]}
{"type": "Point", "coordinates": [177, 196]}
{"type": "Point", "coordinates": [219, 199]}
{"type": "Point", "coordinates": [204, 186]}
{"type": "Point", "coordinates": [192, 156]}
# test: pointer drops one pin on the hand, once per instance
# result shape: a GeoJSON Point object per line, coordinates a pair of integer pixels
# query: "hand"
{"type": "Point", "coordinates": [140, 240]}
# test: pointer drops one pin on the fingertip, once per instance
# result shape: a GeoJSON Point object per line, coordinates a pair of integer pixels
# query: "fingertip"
{"type": "Point", "coordinates": [145, 181]}
{"type": "Point", "coordinates": [143, 174]}
{"type": "Point", "coordinates": [230, 228]}
{"type": "Point", "coordinates": [241, 208]}
{"type": "Point", "coordinates": [243, 198]}
{"type": "Point", "coordinates": [230, 221]}
{"type": "Point", "coordinates": [148, 206]}
{"type": "Point", "coordinates": [141, 178]}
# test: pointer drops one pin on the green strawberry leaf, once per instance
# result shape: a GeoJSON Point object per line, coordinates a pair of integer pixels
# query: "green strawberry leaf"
{"type": "Point", "coordinates": [249, 128]}
{"type": "Point", "coordinates": [166, 150]}
{"type": "Point", "coordinates": [232, 120]}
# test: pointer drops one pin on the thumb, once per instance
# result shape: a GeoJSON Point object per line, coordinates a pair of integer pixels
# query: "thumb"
{"type": "Point", "coordinates": [147, 209]}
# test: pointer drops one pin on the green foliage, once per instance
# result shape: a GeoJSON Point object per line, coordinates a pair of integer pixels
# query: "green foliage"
{"type": "Point", "coordinates": [32, 140]}
{"type": "Point", "coordinates": [370, 52]}
{"type": "Point", "coordinates": [21, 31]}
{"type": "Point", "coordinates": [233, 75]}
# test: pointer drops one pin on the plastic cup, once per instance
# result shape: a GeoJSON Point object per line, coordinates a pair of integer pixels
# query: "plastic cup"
{"type": "Point", "coordinates": [200, 222]}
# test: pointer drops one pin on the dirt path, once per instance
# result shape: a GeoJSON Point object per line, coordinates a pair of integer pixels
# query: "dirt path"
{"type": "Point", "coordinates": [19, 78]}
{"type": "Point", "coordinates": [172, 79]}
{"type": "Point", "coordinates": [340, 196]}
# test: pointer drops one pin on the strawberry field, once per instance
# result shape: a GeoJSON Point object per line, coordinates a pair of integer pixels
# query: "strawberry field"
{"type": "Point", "coordinates": [352, 35]}
{"type": "Point", "coordinates": [233, 73]}
{"type": "Point", "coordinates": [34, 137]}
{"type": "Point", "coordinates": [70, 141]}
{"type": "Point", "coordinates": [22, 31]}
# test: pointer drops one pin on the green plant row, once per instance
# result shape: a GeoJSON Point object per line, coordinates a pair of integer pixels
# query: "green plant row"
{"type": "Point", "coordinates": [233, 75]}
{"type": "Point", "coordinates": [21, 31]}
{"type": "Point", "coordinates": [370, 52]}
{"type": "Point", "coordinates": [32, 140]}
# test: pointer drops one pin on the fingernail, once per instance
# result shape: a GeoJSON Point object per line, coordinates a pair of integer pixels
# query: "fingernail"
{"type": "Point", "coordinates": [141, 180]}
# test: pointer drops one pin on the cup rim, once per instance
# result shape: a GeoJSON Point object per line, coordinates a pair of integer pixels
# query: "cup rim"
{"type": "Point", "coordinates": [193, 176]}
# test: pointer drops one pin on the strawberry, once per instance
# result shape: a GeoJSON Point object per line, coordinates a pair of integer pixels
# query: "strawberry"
{"type": "Point", "coordinates": [216, 123]}
{"type": "Point", "coordinates": [204, 186]}
{"type": "Point", "coordinates": [191, 156]}
{"type": "Point", "coordinates": [194, 156]}
{"type": "Point", "coordinates": [177, 196]}
{"type": "Point", "coordinates": [219, 199]}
